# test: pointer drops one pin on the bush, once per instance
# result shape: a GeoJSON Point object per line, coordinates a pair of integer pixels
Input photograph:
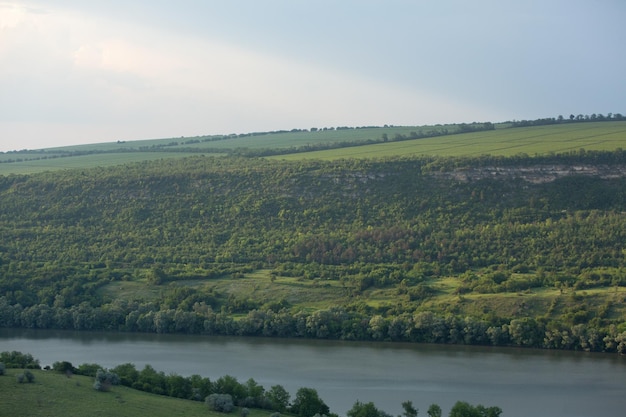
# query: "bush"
{"type": "Point", "coordinates": [63, 367]}
{"type": "Point", "coordinates": [25, 377]}
{"type": "Point", "coordinates": [2, 367]}
{"type": "Point", "coordinates": [88, 369]}
{"type": "Point", "coordinates": [220, 402]}
{"type": "Point", "coordinates": [104, 380]}
{"type": "Point", "coordinates": [19, 360]}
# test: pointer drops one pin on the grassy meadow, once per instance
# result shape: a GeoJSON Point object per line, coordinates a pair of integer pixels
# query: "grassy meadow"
{"type": "Point", "coordinates": [56, 162]}
{"type": "Point", "coordinates": [53, 394]}
{"type": "Point", "coordinates": [535, 140]}
{"type": "Point", "coordinates": [313, 295]}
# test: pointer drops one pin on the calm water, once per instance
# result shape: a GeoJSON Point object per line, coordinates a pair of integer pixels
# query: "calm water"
{"type": "Point", "coordinates": [522, 382]}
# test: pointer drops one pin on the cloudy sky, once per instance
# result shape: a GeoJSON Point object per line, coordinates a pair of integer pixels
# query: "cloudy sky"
{"type": "Point", "coordinates": [79, 71]}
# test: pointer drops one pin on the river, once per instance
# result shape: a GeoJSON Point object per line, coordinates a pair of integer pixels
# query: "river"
{"type": "Point", "coordinates": [522, 382]}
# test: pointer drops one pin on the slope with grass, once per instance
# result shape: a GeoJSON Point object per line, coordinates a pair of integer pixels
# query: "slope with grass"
{"type": "Point", "coordinates": [53, 394]}
{"type": "Point", "coordinates": [368, 142]}
{"type": "Point", "coordinates": [535, 140]}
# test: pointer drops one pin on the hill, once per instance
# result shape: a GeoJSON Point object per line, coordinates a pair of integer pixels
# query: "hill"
{"type": "Point", "coordinates": [540, 137]}
{"type": "Point", "coordinates": [53, 394]}
{"type": "Point", "coordinates": [515, 250]}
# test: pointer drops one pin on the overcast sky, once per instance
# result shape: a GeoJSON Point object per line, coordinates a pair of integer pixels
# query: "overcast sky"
{"type": "Point", "coordinates": [79, 71]}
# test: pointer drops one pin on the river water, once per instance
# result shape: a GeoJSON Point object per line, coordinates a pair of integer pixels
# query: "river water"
{"type": "Point", "coordinates": [522, 382]}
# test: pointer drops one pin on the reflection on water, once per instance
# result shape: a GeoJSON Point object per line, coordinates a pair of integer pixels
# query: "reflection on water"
{"type": "Point", "coordinates": [522, 382]}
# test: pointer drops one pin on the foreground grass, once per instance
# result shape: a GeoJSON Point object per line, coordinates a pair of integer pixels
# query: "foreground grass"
{"type": "Point", "coordinates": [53, 394]}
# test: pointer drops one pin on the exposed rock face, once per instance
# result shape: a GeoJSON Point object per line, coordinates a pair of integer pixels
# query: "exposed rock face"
{"type": "Point", "coordinates": [536, 174]}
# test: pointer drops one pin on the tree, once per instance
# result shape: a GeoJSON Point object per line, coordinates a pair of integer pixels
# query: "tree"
{"type": "Point", "coordinates": [63, 367]}
{"type": "Point", "coordinates": [179, 386]}
{"type": "Point", "coordinates": [308, 403]}
{"type": "Point", "coordinates": [409, 410]}
{"type": "Point", "coordinates": [228, 384]}
{"type": "Point", "coordinates": [464, 409]}
{"type": "Point", "coordinates": [278, 398]}
{"type": "Point", "coordinates": [254, 393]}
{"type": "Point", "coordinates": [16, 359]}
{"type": "Point", "coordinates": [127, 373]}
{"type": "Point", "coordinates": [360, 409]}
{"type": "Point", "coordinates": [88, 369]}
{"type": "Point", "coordinates": [434, 411]}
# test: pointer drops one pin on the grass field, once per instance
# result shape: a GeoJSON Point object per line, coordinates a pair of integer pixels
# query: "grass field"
{"type": "Point", "coordinates": [53, 394]}
{"type": "Point", "coordinates": [85, 161]}
{"type": "Point", "coordinates": [503, 141]}
{"type": "Point", "coordinates": [538, 140]}
{"type": "Point", "coordinates": [313, 295]}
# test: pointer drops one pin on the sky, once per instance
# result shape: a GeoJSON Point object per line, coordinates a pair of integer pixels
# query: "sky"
{"type": "Point", "coordinates": [81, 71]}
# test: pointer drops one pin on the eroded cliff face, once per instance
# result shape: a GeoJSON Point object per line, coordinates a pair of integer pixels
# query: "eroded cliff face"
{"type": "Point", "coordinates": [535, 174]}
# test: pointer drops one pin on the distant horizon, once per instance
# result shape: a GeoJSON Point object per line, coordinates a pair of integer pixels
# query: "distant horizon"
{"type": "Point", "coordinates": [75, 72]}
{"type": "Point", "coordinates": [579, 118]}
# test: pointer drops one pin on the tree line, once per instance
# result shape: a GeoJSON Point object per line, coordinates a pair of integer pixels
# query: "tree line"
{"type": "Point", "coordinates": [340, 323]}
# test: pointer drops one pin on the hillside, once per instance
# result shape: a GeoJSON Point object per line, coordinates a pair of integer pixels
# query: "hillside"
{"type": "Point", "coordinates": [53, 394]}
{"type": "Point", "coordinates": [541, 137]}
{"type": "Point", "coordinates": [498, 250]}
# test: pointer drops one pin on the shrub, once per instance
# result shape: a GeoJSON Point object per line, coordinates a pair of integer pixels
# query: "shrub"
{"type": "Point", "coordinates": [63, 367]}
{"type": "Point", "coordinates": [104, 380]}
{"type": "Point", "coordinates": [220, 402]}
{"type": "Point", "coordinates": [2, 367]}
{"type": "Point", "coordinates": [26, 377]}
{"type": "Point", "coordinates": [19, 360]}
{"type": "Point", "coordinates": [88, 369]}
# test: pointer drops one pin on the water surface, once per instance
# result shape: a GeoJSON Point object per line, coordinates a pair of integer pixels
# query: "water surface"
{"type": "Point", "coordinates": [521, 382]}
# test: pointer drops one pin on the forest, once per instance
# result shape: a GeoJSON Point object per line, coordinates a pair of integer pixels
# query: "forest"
{"type": "Point", "coordinates": [509, 251]}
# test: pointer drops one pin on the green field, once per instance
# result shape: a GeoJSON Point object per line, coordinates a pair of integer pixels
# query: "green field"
{"type": "Point", "coordinates": [537, 140]}
{"type": "Point", "coordinates": [53, 394]}
{"type": "Point", "coordinates": [505, 141]}
{"type": "Point", "coordinates": [82, 161]}
{"type": "Point", "coordinates": [314, 295]}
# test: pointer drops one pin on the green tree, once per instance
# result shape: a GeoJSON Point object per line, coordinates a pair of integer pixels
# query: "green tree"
{"type": "Point", "coordinates": [308, 403]}
{"type": "Point", "coordinates": [434, 411]}
{"type": "Point", "coordinates": [228, 384]}
{"type": "Point", "coordinates": [63, 367]}
{"type": "Point", "coordinates": [464, 409]}
{"type": "Point", "coordinates": [127, 373]}
{"type": "Point", "coordinates": [278, 397]}
{"type": "Point", "coordinates": [409, 410]}
{"type": "Point", "coordinates": [360, 409]}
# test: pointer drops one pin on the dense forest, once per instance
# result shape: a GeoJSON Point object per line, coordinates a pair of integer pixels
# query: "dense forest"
{"type": "Point", "coordinates": [523, 251]}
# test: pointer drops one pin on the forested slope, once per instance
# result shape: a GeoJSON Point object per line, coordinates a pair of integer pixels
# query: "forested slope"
{"type": "Point", "coordinates": [522, 250]}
